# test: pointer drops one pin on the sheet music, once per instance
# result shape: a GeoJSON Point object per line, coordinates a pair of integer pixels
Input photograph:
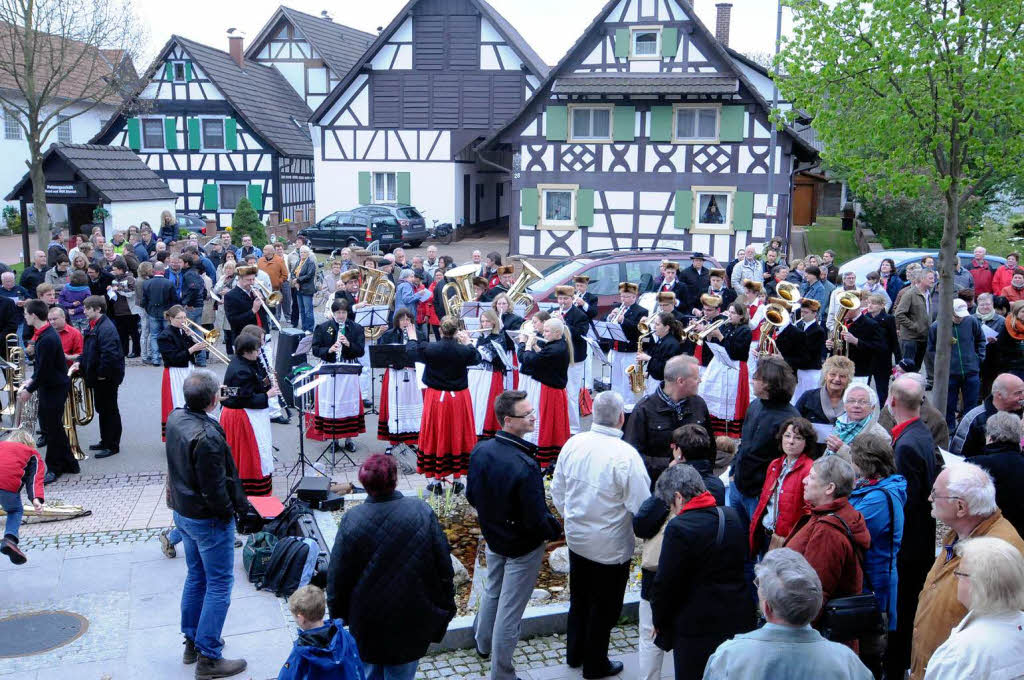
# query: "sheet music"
{"type": "Point", "coordinates": [473, 310]}
{"type": "Point", "coordinates": [372, 316]}
{"type": "Point", "coordinates": [471, 323]}
{"type": "Point", "coordinates": [609, 330]}
{"type": "Point", "coordinates": [304, 346]}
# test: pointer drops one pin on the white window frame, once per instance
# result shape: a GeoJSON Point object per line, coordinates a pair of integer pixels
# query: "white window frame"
{"type": "Point", "coordinates": [676, 139]}
{"type": "Point", "coordinates": [610, 108]}
{"type": "Point", "coordinates": [64, 129]}
{"type": "Point", "coordinates": [373, 187]}
{"type": "Point", "coordinates": [633, 30]}
{"type": "Point", "coordinates": [142, 133]}
{"type": "Point", "coordinates": [12, 129]}
{"type": "Point", "coordinates": [220, 196]}
{"type": "Point", "coordinates": [542, 193]}
{"type": "Point", "coordinates": [174, 72]}
{"type": "Point", "coordinates": [202, 134]}
{"type": "Point", "coordinates": [727, 226]}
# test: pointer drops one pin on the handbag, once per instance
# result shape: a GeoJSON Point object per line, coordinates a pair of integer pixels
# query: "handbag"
{"type": "Point", "coordinates": [855, 616]}
{"type": "Point", "coordinates": [256, 554]}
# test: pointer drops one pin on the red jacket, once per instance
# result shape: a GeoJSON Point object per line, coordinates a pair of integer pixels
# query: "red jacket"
{"type": "Point", "coordinates": [1012, 294]}
{"type": "Point", "coordinates": [21, 466]}
{"type": "Point", "coordinates": [982, 275]}
{"type": "Point", "coordinates": [792, 505]}
{"type": "Point", "coordinates": [425, 312]}
{"type": "Point", "coordinates": [822, 540]}
{"type": "Point", "coordinates": [1001, 279]}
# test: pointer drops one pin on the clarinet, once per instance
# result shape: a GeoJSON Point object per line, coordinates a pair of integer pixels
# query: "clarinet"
{"type": "Point", "coordinates": [271, 375]}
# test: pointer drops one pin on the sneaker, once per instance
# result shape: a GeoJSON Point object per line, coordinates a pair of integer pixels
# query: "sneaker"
{"type": "Point", "coordinates": [190, 655]}
{"type": "Point", "coordinates": [208, 669]}
{"type": "Point", "coordinates": [168, 549]}
{"type": "Point", "coordinates": [9, 547]}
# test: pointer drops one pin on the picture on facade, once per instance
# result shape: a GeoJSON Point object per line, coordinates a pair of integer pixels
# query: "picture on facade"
{"type": "Point", "coordinates": [713, 208]}
{"type": "Point", "coordinates": [557, 206]}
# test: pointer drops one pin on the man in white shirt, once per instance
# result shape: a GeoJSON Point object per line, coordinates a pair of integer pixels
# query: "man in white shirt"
{"type": "Point", "coordinates": [599, 484]}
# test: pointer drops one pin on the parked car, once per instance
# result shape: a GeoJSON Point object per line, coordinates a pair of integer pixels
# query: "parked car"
{"type": "Point", "coordinates": [346, 228]}
{"type": "Point", "coordinates": [903, 257]}
{"type": "Point", "coordinates": [414, 227]}
{"type": "Point", "coordinates": [606, 268]}
{"type": "Point", "coordinates": [191, 223]}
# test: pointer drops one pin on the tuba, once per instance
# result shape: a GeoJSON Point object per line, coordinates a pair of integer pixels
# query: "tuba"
{"type": "Point", "coordinates": [15, 375]}
{"type": "Point", "coordinates": [849, 301]}
{"type": "Point", "coordinates": [789, 293]}
{"type": "Point", "coordinates": [517, 291]}
{"type": "Point", "coordinates": [461, 285]}
{"type": "Point", "coordinates": [377, 290]}
{"type": "Point", "coordinates": [78, 411]}
{"type": "Point", "coordinates": [776, 315]}
{"type": "Point", "coordinates": [637, 371]}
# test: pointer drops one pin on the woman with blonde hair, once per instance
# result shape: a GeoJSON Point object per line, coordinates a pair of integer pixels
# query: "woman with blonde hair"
{"type": "Point", "coordinates": [487, 379]}
{"type": "Point", "coordinates": [824, 405]}
{"type": "Point", "coordinates": [546, 362]}
{"type": "Point", "coordinates": [168, 228]}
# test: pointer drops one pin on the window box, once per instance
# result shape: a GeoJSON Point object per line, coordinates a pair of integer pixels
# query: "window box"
{"type": "Point", "coordinates": [696, 124]}
{"type": "Point", "coordinates": [590, 123]}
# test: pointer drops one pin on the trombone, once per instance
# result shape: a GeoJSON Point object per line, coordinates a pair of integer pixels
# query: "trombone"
{"type": "Point", "coordinates": [271, 299]}
{"type": "Point", "coordinates": [207, 337]}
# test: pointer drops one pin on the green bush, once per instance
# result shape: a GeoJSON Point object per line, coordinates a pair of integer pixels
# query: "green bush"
{"type": "Point", "coordinates": [246, 221]}
{"type": "Point", "coordinates": [12, 218]}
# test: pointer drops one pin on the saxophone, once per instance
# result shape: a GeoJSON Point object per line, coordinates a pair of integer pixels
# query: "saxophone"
{"type": "Point", "coordinates": [637, 371]}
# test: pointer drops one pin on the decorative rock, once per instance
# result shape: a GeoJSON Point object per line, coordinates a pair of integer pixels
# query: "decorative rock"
{"type": "Point", "coordinates": [556, 589]}
{"type": "Point", "coordinates": [559, 560]}
{"type": "Point", "coordinates": [539, 594]}
{"type": "Point", "coordinates": [461, 573]}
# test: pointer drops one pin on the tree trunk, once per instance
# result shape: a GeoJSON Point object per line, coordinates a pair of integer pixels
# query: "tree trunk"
{"type": "Point", "coordinates": [39, 205]}
{"type": "Point", "coordinates": [944, 318]}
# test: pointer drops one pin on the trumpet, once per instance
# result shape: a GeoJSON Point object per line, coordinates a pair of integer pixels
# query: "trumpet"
{"type": "Point", "coordinates": [619, 314]}
{"type": "Point", "coordinates": [207, 337]}
{"type": "Point", "coordinates": [699, 336]}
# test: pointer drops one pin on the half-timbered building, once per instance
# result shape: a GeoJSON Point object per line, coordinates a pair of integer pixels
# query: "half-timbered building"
{"type": "Point", "coordinates": [403, 123]}
{"type": "Point", "coordinates": [648, 133]}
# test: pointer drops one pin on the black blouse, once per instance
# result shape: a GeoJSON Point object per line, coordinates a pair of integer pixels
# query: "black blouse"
{"type": "Point", "coordinates": [736, 340]}
{"type": "Point", "coordinates": [174, 344]}
{"type": "Point", "coordinates": [250, 379]}
{"type": "Point", "coordinates": [510, 322]}
{"type": "Point", "coordinates": [660, 352]}
{"type": "Point", "coordinates": [486, 341]}
{"type": "Point", "coordinates": [326, 334]}
{"type": "Point", "coordinates": [548, 365]}
{"type": "Point", "coordinates": [445, 362]}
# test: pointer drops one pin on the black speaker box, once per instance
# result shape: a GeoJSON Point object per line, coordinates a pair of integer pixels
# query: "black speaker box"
{"type": "Point", "coordinates": [287, 342]}
{"type": "Point", "coordinates": [313, 489]}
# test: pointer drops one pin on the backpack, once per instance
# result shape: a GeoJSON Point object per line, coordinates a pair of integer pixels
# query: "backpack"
{"type": "Point", "coordinates": [286, 571]}
{"type": "Point", "coordinates": [259, 548]}
{"type": "Point", "coordinates": [290, 519]}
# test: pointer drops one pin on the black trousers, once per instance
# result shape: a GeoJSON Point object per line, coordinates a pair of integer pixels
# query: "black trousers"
{"type": "Point", "coordinates": [105, 399]}
{"type": "Point", "coordinates": [128, 331]}
{"type": "Point", "coordinates": [690, 654]}
{"type": "Point", "coordinates": [913, 573]}
{"type": "Point", "coordinates": [59, 458]}
{"type": "Point", "coordinates": [595, 603]}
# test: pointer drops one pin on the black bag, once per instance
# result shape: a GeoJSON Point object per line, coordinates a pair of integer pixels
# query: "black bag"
{"type": "Point", "coordinates": [283, 574]}
{"type": "Point", "coordinates": [286, 524]}
{"type": "Point", "coordinates": [307, 527]}
{"type": "Point", "coordinates": [258, 549]}
{"type": "Point", "coordinates": [855, 616]}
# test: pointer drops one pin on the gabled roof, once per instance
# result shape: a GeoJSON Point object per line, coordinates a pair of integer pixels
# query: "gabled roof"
{"type": "Point", "coordinates": [507, 31]}
{"type": "Point", "coordinates": [720, 50]}
{"type": "Point", "coordinates": [116, 173]}
{"type": "Point", "coordinates": [339, 45]}
{"type": "Point", "coordinates": [259, 94]}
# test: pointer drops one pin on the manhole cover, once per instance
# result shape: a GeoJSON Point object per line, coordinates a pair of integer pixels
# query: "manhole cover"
{"type": "Point", "coordinates": [38, 632]}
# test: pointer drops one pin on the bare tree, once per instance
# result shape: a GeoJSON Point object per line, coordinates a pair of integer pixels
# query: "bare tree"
{"type": "Point", "coordinates": [58, 60]}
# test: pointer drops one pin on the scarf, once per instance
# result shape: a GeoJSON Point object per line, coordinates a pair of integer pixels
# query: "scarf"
{"type": "Point", "coordinates": [701, 500]}
{"type": "Point", "coordinates": [847, 429]}
{"type": "Point", "coordinates": [1014, 327]}
{"type": "Point", "coordinates": [826, 406]}
{"type": "Point", "coordinates": [985, 318]}
{"type": "Point", "coordinates": [677, 406]}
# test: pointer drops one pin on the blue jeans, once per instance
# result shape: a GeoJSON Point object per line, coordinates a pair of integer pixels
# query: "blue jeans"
{"type": "Point", "coordinates": [210, 558]}
{"type": "Point", "coordinates": [10, 501]}
{"type": "Point", "coordinates": [196, 315]}
{"type": "Point", "coordinates": [745, 507]}
{"type": "Point", "coordinates": [306, 311]}
{"type": "Point", "coordinates": [376, 671]}
{"type": "Point", "coordinates": [174, 536]}
{"type": "Point", "coordinates": [970, 386]}
{"type": "Point", "coordinates": [156, 326]}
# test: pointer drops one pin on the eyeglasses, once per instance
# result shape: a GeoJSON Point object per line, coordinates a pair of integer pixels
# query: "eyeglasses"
{"type": "Point", "coordinates": [531, 414]}
{"type": "Point", "coordinates": [935, 495]}
{"type": "Point", "coordinates": [960, 574]}
{"type": "Point", "coordinates": [858, 402]}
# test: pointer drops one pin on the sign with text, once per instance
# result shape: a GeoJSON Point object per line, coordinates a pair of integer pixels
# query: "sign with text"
{"type": "Point", "coordinates": [65, 189]}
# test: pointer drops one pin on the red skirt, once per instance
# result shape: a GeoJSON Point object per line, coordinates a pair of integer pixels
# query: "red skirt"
{"type": "Point", "coordinates": [166, 403]}
{"type": "Point", "coordinates": [491, 425]}
{"type": "Point", "coordinates": [245, 451]}
{"type": "Point", "coordinates": [384, 433]}
{"type": "Point", "coordinates": [726, 428]}
{"type": "Point", "coordinates": [554, 424]}
{"type": "Point", "coordinates": [448, 434]}
{"type": "Point", "coordinates": [586, 403]}
{"type": "Point", "coordinates": [321, 429]}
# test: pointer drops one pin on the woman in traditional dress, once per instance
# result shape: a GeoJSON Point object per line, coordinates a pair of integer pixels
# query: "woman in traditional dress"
{"type": "Point", "coordinates": [245, 417]}
{"type": "Point", "coordinates": [225, 282]}
{"type": "Point", "coordinates": [725, 386]}
{"type": "Point", "coordinates": [487, 379]}
{"type": "Point", "coordinates": [510, 321]}
{"type": "Point", "coordinates": [448, 434]}
{"type": "Point", "coordinates": [547, 363]}
{"type": "Point", "coordinates": [339, 405]}
{"type": "Point", "coordinates": [178, 351]}
{"type": "Point", "coordinates": [401, 400]}
{"type": "Point", "coordinates": [665, 343]}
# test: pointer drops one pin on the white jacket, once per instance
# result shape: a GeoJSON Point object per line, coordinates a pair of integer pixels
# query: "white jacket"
{"type": "Point", "coordinates": [981, 648]}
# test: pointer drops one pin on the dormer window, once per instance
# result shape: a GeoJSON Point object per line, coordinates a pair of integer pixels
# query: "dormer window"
{"type": "Point", "coordinates": [179, 71]}
{"type": "Point", "coordinates": [645, 42]}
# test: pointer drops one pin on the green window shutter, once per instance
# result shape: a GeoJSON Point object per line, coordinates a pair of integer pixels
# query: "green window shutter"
{"type": "Point", "coordinates": [530, 204]}
{"type": "Point", "coordinates": [134, 134]}
{"type": "Point", "coordinates": [684, 209]}
{"type": "Point", "coordinates": [624, 123]}
{"type": "Point", "coordinates": [194, 140]}
{"type": "Point", "coordinates": [188, 71]}
{"type": "Point", "coordinates": [731, 124]}
{"type": "Point", "coordinates": [209, 197]}
{"type": "Point", "coordinates": [171, 133]}
{"type": "Point", "coordinates": [585, 208]}
{"type": "Point", "coordinates": [556, 128]}
{"type": "Point", "coordinates": [661, 124]}
{"type": "Point", "coordinates": [364, 188]}
{"type": "Point", "coordinates": [621, 43]}
{"type": "Point", "coordinates": [230, 134]}
{"type": "Point", "coordinates": [743, 211]}
{"type": "Point", "coordinates": [669, 42]}
{"type": "Point", "coordinates": [168, 71]}
{"type": "Point", "coordinates": [256, 196]}
{"type": "Point", "coordinates": [404, 187]}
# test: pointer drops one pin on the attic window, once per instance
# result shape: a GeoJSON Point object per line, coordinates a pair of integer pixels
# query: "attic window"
{"type": "Point", "coordinates": [179, 71]}
{"type": "Point", "coordinates": [645, 43]}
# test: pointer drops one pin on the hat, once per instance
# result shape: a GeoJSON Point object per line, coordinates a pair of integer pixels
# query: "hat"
{"type": "Point", "coordinates": [810, 304]}
{"type": "Point", "coordinates": [666, 297]}
{"type": "Point", "coordinates": [752, 286]}
{"type": "Point", "coordinates": [698, 256]}
{"type": "Point", "coordinates": [627, 287]}
{"type": "Point", "coordinates": [960, 308]}
{"type": "Point", "coordinates": [582, 278]}
{"type": "Point", "coordinates": [565, 290]}
{"type": "Point", "coordinates": [710, 300]}
{"type": "Point", "coordinates": [246, 270]}
{"type": "Point", "coordinates": [480, 281]}
{"type": "Point", "coordinates": [720, 273]}
{"type": "Point", "coordinates": [506, 269]}
{"type": "Point", "coordinates": [349, 275]}
{"type": "Point", "coordinates": [674, 266]}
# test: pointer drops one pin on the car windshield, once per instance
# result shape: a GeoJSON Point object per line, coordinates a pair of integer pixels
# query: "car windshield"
{"type": "Point", "coordinates": [557, 273]}
{"type": "Point", "coordinates": [408, 213]}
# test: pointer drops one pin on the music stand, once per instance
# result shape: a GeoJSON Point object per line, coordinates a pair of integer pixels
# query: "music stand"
{"type": "Point", "coordinates": [330, 452]}
{"type": "Point", "coordinates": [372, 316]}
{"type": "Point", "coordinates": [390, 356]}
{"type": "Point", "coordinates": [608, 331]}
{"type": "Point", "coordinates": [303, 385]}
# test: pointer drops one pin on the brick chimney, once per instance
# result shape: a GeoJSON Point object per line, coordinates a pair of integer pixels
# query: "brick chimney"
{"type": "Point", "coordinates": [235, 48]}
{"type": "Point", "coordinates": [722, 22]}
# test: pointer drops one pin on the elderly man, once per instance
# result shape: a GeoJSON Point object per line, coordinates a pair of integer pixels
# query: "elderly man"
{"type": "Point", "coordinates": [431, 263]}
{"type": "Point", "coordinates": [56, 247]}
{"type": "Point", "coordinates": [964, 499]}
{"type": "Point", "coordinates": [913, 313]}
{"type": "Point", "coordinates": [599, 484]}
{"type": "Point", "coordinates": [1007, 396]}
{"type": "Point", "coordinates": [274, 267]}
{"type": "Point", "coordinates": [35, 273]}
{"type": "Point", "coordinates": [656, 416]}
{"type": "Point", "coordinates": [1002, 459]}
{"type": "Point", "coordinates": [747, 269]}
{"type": "Point", "coordinates": [789, 591]}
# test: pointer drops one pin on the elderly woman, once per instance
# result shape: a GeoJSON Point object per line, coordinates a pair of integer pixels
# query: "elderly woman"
{"type": "Point", "coordinates": [879, 495]}
{"type": "Point", "coordinates": [860, 416]}
{"type": "Point", "coordinates": [825, 404]}
{"type": "Point", "coordinates": [832, 533]}
{"type": "Point", "coordinates": [1001, 457]}
{"type": "Point", "coordinates": [987, 643]}
{"type": "Point", "coordinates": [782, 496]}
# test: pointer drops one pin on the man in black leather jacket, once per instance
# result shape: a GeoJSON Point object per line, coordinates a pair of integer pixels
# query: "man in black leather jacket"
{"type": "Point", "coordinates": [206, 494]}
{"type": "Point", "coordinates": [102, 365]}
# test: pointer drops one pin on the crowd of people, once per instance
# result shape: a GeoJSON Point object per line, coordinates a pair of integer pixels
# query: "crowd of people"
{"type": "Point", "coordinates": [803, 392]}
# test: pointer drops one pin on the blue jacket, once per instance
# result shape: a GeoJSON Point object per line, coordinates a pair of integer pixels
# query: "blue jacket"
{"type": "Point", "coordinates": [880, 559]}
{"type": "Point", "coordinates": [968, 346]}
{"type": "Point", "coordinates": [141, 251]}
{"type": "Point", "coordinates": [820, 292]}
{"type": "Point", "coordinates": [775, 651]}
{"type": "Point", "coordinates": [324, 653]}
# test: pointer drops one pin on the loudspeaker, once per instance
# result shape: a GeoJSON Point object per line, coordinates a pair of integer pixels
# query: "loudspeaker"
{"type": "Point", "coordinates": [287, 341]}
{"type": "Point", "coordinates": [312, 489]}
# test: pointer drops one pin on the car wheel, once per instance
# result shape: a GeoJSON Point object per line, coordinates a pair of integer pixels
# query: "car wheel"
{"type": "Point", "coordinates": [415, 244]}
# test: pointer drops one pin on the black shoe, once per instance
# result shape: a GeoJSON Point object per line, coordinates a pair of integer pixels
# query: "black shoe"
{"type": "Point", "coordinates": [367, 403]}
{"type": "Point", "coordinates": [190, 655]}
{"type": "Point", "coordinates": [51, 477]}
{"type": "Point", "coordinates": [9, 547]}
{"type": "Point", "coordinates": [613, 668]}
{"type": "Point", "coordinates": [208, 669]}
{"type": "Point", "coordinates": [458, 487]}
{"type": "Point", "coordinates": [40, 442]}
{"type": "Point", "coordinates": [281, 420]}
{"type": "Point", "coordinates": [133, 355]}
{"type": "Point", "coordinates": [350, 446]}
{"type": "Point", "coordinates": [104, 453]}
{"type": "Point", "coordinates": [483, 656]}
{"type": "Point", "coordinates": [97, 447]}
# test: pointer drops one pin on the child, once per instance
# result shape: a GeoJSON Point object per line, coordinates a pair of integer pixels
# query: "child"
{"type": "Point", "coordinates": [322, 650]}
{"type": "Point", "coordinates": [72, 297]}
{"type": "Point", "coordinates": [20, 466]}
